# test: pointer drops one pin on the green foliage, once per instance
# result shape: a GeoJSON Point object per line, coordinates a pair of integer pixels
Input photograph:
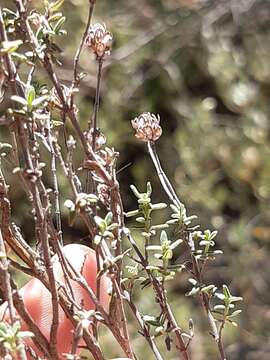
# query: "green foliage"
{"type": "Point", "coordinates": [11, 335]}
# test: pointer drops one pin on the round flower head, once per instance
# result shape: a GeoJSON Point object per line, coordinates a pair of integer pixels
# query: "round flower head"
{"type": "Point", "coordinates": [99, 40]}
{"type": "Point", "coordinates": [147, 127]}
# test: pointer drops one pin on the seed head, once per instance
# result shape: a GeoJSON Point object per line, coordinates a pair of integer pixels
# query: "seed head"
{"type": "Point", "coordinates": [147, 127]}
{"type": "Point", "coordinates": [99, 40]}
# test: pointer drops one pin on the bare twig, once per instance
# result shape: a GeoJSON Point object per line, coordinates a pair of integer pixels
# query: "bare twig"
{"type": "Point", "coordinates": [93, 123]}
{"type": "Point", "coordinates": [55, 184]}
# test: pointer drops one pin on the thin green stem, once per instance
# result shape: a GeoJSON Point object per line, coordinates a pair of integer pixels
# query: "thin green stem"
{"type": "Point", "coordinates": [165, 182]}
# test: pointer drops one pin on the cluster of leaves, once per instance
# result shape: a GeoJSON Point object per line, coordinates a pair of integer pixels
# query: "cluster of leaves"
{"type": "Point", "coordinates": [46, 27]}
{"type": "Point", "coordinates": [163, 270]}
{"type": "Point", "coordinates": [11, 336]}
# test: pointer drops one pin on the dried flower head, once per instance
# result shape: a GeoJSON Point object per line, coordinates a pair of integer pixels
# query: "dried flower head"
{"type": "Point", "coordinates": [99, 40]}
{"type": "Point", "coordinates": [147, 127]}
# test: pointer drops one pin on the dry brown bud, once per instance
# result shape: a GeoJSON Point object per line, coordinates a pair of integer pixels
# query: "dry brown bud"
{"type": "Point", "coordinates": [55, 100]}
{"type": "Point", "coordinates": [103, 192]}
{"type": "Point", "coordinates": [100, 138]}
{"type": "Point", "coordinates": [147, 127]}
{"type": "Point", "coordinates": [36, 18]}
{"type": "Point", "coordinates": [108, 156]}
{"type": "Point", "coordinates": [99, 40]}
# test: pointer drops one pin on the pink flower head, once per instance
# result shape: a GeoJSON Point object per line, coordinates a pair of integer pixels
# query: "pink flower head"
{"type": "Point", "coordinates": [147, 127]}
{"type": "Point", "coordinates": [99, 40]}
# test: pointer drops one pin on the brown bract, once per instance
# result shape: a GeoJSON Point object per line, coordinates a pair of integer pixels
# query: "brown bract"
{"type": "Point", "coordinates": [55, 100]}
{"type": "Point", "coordinates": [99, 40]}
{"type": "Point", "coordinates": [100, 138]}
{"type": "Point", "coordinates": [147, 127]}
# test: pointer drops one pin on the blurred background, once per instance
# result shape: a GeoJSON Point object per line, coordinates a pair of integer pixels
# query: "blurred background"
{"type": "Point", "coordinates": [204, 67]}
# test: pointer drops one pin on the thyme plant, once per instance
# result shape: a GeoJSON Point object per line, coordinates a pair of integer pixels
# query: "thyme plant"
{"type": "Point", "coordinates": [41, 145]}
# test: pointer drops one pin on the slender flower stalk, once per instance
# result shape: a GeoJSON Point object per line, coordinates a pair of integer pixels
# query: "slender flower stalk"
{"type": "Point", "coordinates": [82, 41]}
{"type": "Point", "coordinates": [167, 186]}
{"type": "Point", "coordinates": [93, 124]}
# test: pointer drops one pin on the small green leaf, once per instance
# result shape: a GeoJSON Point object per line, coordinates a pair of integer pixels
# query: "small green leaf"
{"type": "Point", "coordinates": [152, 267]}
{"type": "Point", "coordinates": [226, 291]}
{"type": "Point", "coordinates": [55, 17]}
{"type": "Point", "coordinates": [175, 244]}
{"type": "Point", "coordinates": [57, 123]}
{"type": "Point", "coordinates": [151, 320]}
{"type": "Point", "coordinates": [235, 313]}
{"type": "Point", "coordinates": [140, 219]}
{"type": "Point", "coordinates": [59, 24]}
{"type": "Point", "coordinates": [171, 222]}
{"type": "Point", "coordinates": [25, 334]}
{"type": "Point", "coordinates": [207, 288]}
{"type": "Point", "coordinates": [163, 236]}
{"type": "Point", "coordinates": [9, 47]}
{"type": "Point", "coordinates": [159, 227]}
{"type": "Point", "coordinates": [193, 291]}
{"type": "Point", "coordinates": [135, 191]}
{"type": "Point", "coordinates": [213, 325]}
{"type": "Point", "coordinates": [30, 95]}
{"type": "Point", "coordinates": [154, 248]}
{"type": "Point", "coordinates": [19, 57]}
{"type": "Point", "coordinates": [217, 252]}
{"type": "Point", "coordinates": [148, 188]}
{"type": "Point", "coordinates": [158, 206]}
{"type": "Point", "coordinates": [19, 100]}
{"type": "Point", "coordinates": [100, 222]}
{"type": "Point", "coordinates": [235, 298]}
{"type": "Point", "coordinates": [5, 146]}
{"type": "Point", "coordinates": [220, 296]}
{"type": "Point", "coordinates": [193, 281]}
{"type": "Point", "coordinates": [174, 208]}
{"type": "Point", "coordinates": [132, 213]}
{"type": "Point", "coordinates": [39, 100]}
{"type": "Point", "coordinates": [53, 7]}
{"type": "Point", "coordinates": [219, 307]}
{"type": "Point", "coordinates": [167, 254]}
{"type": "Point", "coordinates": [108, 218]}
{"type": "Point", "coordinates": [97, 239]}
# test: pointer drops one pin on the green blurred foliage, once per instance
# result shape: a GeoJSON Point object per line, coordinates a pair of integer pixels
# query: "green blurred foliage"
{"type": "Point", "coordinates": [204, 67]}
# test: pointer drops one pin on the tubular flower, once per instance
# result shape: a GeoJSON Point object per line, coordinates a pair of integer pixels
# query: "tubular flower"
{"type": "Point", "coordinates": [147, 127]}
{"type": "Point", "coordinates": [99, 40]}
